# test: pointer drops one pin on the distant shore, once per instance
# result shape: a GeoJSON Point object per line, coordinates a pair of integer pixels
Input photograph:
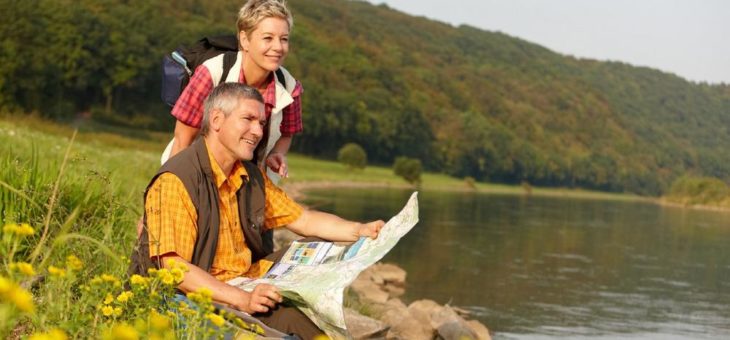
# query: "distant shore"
{"type": "Point", "coordinates": [297, 190]}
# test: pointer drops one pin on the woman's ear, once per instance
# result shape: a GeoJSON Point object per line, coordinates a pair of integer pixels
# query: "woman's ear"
{"type": "Point", "coordinates": [243, 41]}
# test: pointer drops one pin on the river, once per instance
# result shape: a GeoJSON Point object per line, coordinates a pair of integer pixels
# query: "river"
{"type": "Point", "coordinates": [533, 267]}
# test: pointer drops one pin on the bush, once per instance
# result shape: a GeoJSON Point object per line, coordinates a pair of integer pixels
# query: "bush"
{"type": "Point", "coordinates": [698, 190]}
{"type": "Point", "coordinates": [408, 168]}
{"type": "Point", "coordinates": [470, 182]}
{"type": "Point", "coordinates": [353, 156]}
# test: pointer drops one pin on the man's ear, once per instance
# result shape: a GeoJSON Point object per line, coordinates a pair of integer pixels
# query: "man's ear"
{"type": "Point", "coordinates": [243, 41]}
{"type": "Point", "coordinates": [216, 119]}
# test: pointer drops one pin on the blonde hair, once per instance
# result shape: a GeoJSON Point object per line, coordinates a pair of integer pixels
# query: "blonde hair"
{"type": "Point", "coordinates": [254, 11]}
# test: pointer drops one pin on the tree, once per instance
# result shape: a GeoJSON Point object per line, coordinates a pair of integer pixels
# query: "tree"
{"type": "Point", "coordinates": [353, 156]}
{"type": "Point", "coordinates": [408, 168]}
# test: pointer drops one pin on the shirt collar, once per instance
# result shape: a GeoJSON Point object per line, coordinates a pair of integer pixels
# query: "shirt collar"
{"type": "Point", "coordinates": [235, 179]}
{"type": "Point", "coordinates": [270, 93]}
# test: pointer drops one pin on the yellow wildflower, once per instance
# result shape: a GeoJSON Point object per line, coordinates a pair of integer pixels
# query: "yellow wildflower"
{"type": "Point", "coordinates": [24, 229]}
{"type": "Point", "coordinates": [54, 334]}
{"type": "Point", "coordinates": [16, 295]}
{"type": "Point", "coordinates": [206, 293]}
{"type": "Point", "coordinates": [22, 299]}
{"type": "Point", "coordinates": [122, 332]}
{"type": "Point", "coordinates": [5, 286]}
{"type": "Point", "coordinates": [10, 228]}
{"type": "Point", "coordinates": [159, 321]}
{"type": "Point", "coordinates": [172, 264]}
{"type": "Point", "coordinates": [124, 296]}
{"type": "Point", "coordinates": [166, 277]}
{"type": "Point", "coordinates": [108, 278]}
{"type": "Point", "coordinates": [107, 310]}
{"type": "Point", "coordinates": [96, 280]}
{"type": "Point", "coordinates": [203, 296]}
{"type": "Point", "coordinates": [193, 296]}
{"type": "Point", "coordinates": [108, 299]}
{"type": "Point", "coordinates": [139, 281]}
{"type": "Point", "coordinates": [177, 274]}
{"type": "Point", "coordinates": [216, 319]}
{"type": "Point", "coordinates": [73, 263]}
{"type": "Point", "coordinates": [24, 268]}
{"type": "Point", "coordinates": [151, 271]}
{"type": "Point", "coordinates": [118, 311]}
{"type": "Point", "coordinates": [55, 271]}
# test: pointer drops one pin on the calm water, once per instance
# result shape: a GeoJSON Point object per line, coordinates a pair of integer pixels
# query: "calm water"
{"type": "Point", "coordinates": [533, 267]}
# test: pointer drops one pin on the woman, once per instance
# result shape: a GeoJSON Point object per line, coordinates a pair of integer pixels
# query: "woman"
{"type": "Point", "coordinates": [263, 28]}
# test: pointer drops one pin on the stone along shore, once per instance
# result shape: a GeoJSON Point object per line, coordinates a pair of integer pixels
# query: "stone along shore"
{"type": "Point", "coordinates": [376, 292]}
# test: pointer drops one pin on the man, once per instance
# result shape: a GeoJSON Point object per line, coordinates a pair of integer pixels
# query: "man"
{"type": "Point", "coordinates": [208, 208]}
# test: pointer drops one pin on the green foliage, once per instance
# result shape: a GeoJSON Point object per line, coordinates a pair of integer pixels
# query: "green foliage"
{"type": "Point", "coordinates": [467, 102]}
{"type": "Point", "coordinates": [699, 190]}
{"type": "Point", "coordinates": [353, 156]}
{"type": "Point", "coordinates": [408, 168]}
{"type": "Point", "coordinates": [470, 182]}
{"type": "Point", "coordinates": [68, 220]}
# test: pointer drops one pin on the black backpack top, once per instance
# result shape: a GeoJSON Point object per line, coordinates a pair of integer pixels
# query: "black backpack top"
{"type": "Point", "coordinates": [178, 66]}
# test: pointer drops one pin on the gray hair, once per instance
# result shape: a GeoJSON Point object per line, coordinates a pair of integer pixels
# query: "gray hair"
{"type": "Point", "coordinates": [225, 97]}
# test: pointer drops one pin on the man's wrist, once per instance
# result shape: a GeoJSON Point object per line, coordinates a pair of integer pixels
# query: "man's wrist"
{"type": "Point", "coordinates": [242, 301]}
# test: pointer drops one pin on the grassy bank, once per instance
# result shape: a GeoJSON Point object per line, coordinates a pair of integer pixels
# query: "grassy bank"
{"type": "Point", "coordinates": [307, 172]}
{"type": "Point", "coordinates": [69, 203]}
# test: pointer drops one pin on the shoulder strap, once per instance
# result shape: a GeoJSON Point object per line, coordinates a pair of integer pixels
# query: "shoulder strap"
{"type": "Point", "coordinates": [280, 77]}
{"type": "Point", "coordinates": [286, 80]}
{"type": "Point", "coordinates": [229, 58]}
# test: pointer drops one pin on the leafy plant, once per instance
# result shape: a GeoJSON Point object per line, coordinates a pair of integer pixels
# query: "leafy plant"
{"type": "Point", "coordinates": [353, 156]}
{"type": "Point", "coordinates": [408, 168]}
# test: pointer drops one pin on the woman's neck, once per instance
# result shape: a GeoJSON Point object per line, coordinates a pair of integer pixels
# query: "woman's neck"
{"type": "Point", "coordinates": [255, 76]}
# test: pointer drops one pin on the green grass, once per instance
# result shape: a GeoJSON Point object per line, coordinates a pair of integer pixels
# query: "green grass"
{"type": "Point", "coordinates": [309, 172]}
{"type": "Point", "coordinates": [84, 197]}
{"type": "Point", "coordinates": [81, 196]}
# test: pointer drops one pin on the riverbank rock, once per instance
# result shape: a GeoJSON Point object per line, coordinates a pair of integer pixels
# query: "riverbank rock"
{"type": "Point", "coordinates": [362, 327]}
{"type": "Point", "coordinates": [380, 286]}
{"type": "Point", "coordinates": [283, 237]}
{"type": "Point", "coordinates": [380, 282]}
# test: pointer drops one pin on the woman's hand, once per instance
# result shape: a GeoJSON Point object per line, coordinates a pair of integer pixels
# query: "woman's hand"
{"type": "Point", "coordinates": [276, 161]}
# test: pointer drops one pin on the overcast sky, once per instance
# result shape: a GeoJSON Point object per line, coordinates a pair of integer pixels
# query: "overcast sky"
{"type": "Point", "coordinates": [690, 38]}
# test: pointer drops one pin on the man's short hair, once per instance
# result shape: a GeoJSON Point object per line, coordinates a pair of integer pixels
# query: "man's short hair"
{"type": "Point", "coordinates": [226, 97]}
{"type": "Point", "coordinates": [254, 11]}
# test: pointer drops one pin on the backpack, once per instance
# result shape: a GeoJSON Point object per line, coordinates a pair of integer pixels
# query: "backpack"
{"type": "Point", "coordinates": [178, 66]}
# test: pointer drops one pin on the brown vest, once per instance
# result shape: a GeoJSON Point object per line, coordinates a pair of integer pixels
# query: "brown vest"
{"type": "Point", "coordinates": [192, 166]}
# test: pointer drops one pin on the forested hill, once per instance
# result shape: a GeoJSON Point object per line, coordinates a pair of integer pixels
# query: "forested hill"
{"type": "Point", "coordinates": [465, 101]}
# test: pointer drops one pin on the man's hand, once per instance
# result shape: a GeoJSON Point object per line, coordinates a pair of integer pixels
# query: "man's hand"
{"type": "Point", "coordinates": [371, 229]}
{"type": "Point", "coordinates": [261, 299]}
{"type": "Point", "coordinates": [276, 161]}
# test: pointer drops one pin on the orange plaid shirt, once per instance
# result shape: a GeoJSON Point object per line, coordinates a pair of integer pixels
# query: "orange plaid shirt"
{"type": "Point", "coordinates": [172, 220]}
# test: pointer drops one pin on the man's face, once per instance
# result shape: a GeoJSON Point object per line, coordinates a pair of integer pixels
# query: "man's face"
{"type": "Point", "coordinates": [242, 130]}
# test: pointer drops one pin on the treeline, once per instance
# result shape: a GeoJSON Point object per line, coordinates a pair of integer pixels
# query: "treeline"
{"type": "Point", "coordinates": [465, 101]}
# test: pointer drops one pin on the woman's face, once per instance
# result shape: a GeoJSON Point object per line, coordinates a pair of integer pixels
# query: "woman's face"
{"type": "Point", "coordinates": [267, 45]}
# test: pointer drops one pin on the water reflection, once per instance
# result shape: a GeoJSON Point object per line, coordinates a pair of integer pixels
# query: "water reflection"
{"type": "Point", "coordinates": [536, 267]}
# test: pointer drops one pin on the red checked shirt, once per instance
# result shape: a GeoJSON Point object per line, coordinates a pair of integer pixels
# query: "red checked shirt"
{"type": "Point", "coordinates": [189, 107]}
